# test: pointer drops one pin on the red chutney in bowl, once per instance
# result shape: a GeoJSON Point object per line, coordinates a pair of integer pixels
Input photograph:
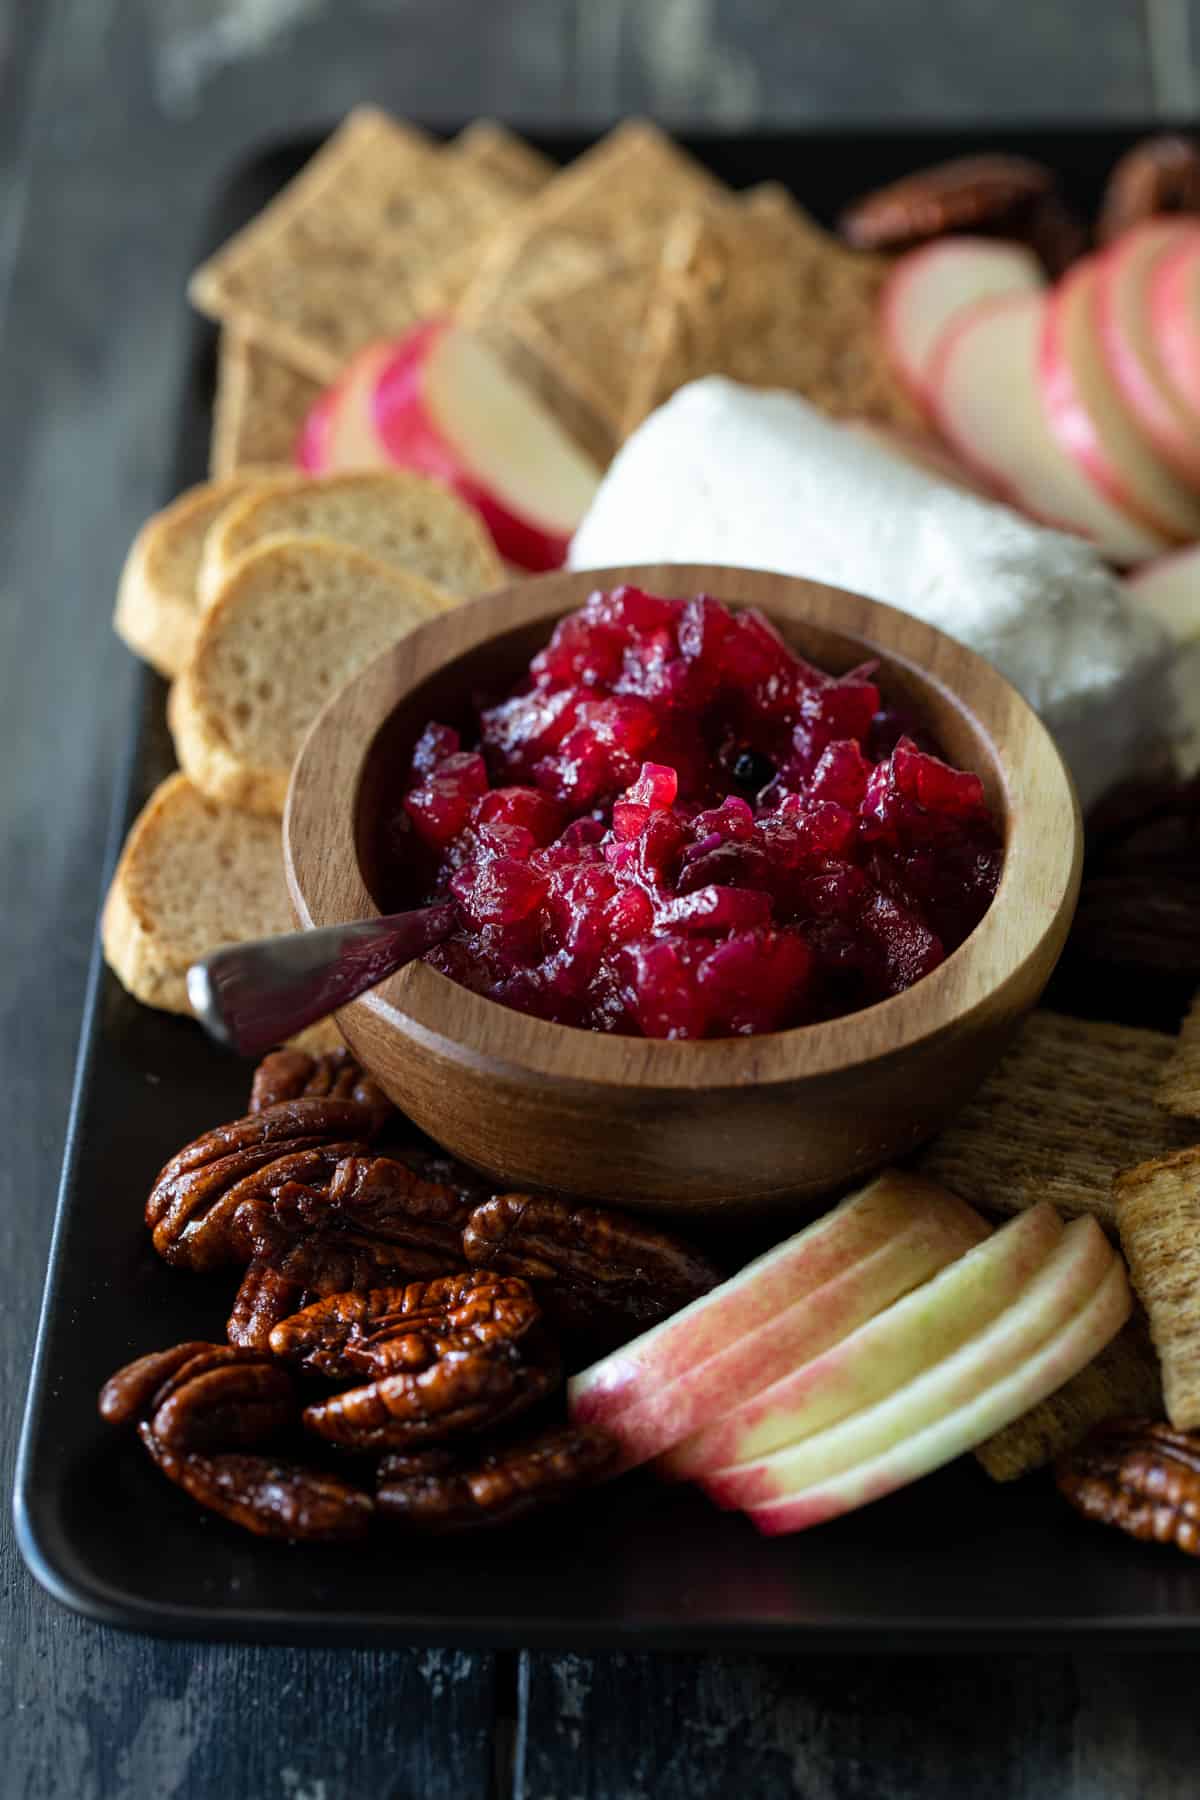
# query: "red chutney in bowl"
{"type": "Point", "coordinates": [673, 826]}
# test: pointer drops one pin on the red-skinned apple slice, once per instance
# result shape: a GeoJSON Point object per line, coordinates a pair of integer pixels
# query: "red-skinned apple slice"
{"type": "Point", "coordinates": [855, 1229]}
{"type": "Point", "coordinates": [1055, 1361]}
{"type": "Point", "coordinates": [923, 452]}
{"type": "Point", "coordinates": [931, 286]}
{"type": "Point", "coordinates": [989, 406]}
{"type": "Point", "coordinates": [1059, 1289]}
{"type": "Point", "coordinates": [1091, 421]}
{"type": "Point", "coordinates": [885, 1351]}
{"type": "Point", "coordinates": [822, 1317]}
{"type": "Point", "coordinates": [1122, 299]}
{"type": "Point", "coordinates": [1170, 587]}
{"type": "Point", "coordinates": [339, 434]}
{"type": "Point", "coordinates": [446, 407]}
{"type": "Point", "coordinates": [1175, 322]}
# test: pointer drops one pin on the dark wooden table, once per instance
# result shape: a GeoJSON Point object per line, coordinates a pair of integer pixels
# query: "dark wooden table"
{"type": "Point", "coordinates": [117, 119]}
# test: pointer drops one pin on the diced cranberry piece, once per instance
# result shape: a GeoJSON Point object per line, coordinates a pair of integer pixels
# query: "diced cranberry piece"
{"type": "Point", "coordinates": [537, 813]}
{"type": "Point", "coordinates": [910, 948]}
{"type": "Point", "coordinates": [529, 726]}
{"type": "Point", "coordinates": [581, 833]}
{"type": "Point", "coordinates": [441, 807]}
{"type": "Point", "coordinates": [704, 625]}
{"type": "Point", "coordinates": [435, 744]}
{"type": "Point", "coordinates": [581, 653]}
{"type": "Point", "coordinates": [498, 890]}
{"type": "Point", "coordinates": [656, 787]}
{"type": "Point", "coordinates": [716, 909]}
{"type": "Point", "coordinates": [841, 711]}
{"type": "Point", "coordinates": [630, 609]}
{"type": "Point", "coordinates": [732, 819]}
{"type": "Point", "coordinates": [629, 820]}
{"type": "Point", "coordinates": [667, 998]}
{"type": "Point", "coordinates": [934, 785]}
{"type": "Point", "coordinates": [757, 981]}
{"type": "Point", "coordinates": [630, 914]}
{"type": "Point", "coordinates": [732, 863]}
{"type": "Point", "coordinates": [841, 774]}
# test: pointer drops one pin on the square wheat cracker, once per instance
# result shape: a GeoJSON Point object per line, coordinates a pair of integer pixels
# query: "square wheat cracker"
{"type": "Point", "coordinates": [1179, 1086]}
{"type": "Point", "coordinates": [259, 409]}
{"type": "Point", "coordinates": [1158, 1215]}
{"type": "Point", "coordinates": [333, 260]}
{"type": "Point", "coordinates": [485, 144]}
{"type": "Point", "coordinates": [1070, 1104]}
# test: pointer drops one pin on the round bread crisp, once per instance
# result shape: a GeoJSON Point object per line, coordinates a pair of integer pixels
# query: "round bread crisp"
{"type": "Point", "coordinates": [158, 606]}
{"type": "Point", "coordinates": [404, 520]}
{"type": "Point", "coordinates": [194, 875]}
{"type": "Point", "coordinates": [292, 623]}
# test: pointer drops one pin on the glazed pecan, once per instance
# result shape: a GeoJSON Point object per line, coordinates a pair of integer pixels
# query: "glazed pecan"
{"type": "Point", "coordinates": [130, 1393]}
{"type": "Point", "coordinates": [234, 1214]}
{"type": "Point", "coordinates": [1053, 232]}
{"type": "Point", "coordinates": [270, 1498]}
{"type": "Point", "coordinates": [595, 1272]}
{"type": "Point", "coordinates": [390, 1329]}
{"type": "Point", "coordinates": [386, 1198]}
{"type": "Point", "coordinates": [291, 1275]}
{"type": "Point", "coordinates": [293, 1075]}
{"type": "Point", "coordinates": [463, 1391]}
{"type": "Point", "coordinates": [200, 1396]}
{"type": "Point", "coordinates": [1159, 175]}
{"type": "Point", "coordinates": [1146, 920]}
{"type": "Point", "coordinates": [195, 1180]}
{"type": "Point", "coordinates": [445, 1490]}
{"type": "Point", "coordinates": [971, 193]}
{"type": "Point", "coordinates": [1140, 1475]}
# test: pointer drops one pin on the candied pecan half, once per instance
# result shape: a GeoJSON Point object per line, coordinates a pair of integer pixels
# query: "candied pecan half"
{"type": "Point", "coordinates": [1140, 1475]}
{"type": "Point", "coordinates": [269, 1498]}
{"type": "Point", "coordinates": [968, 194]}
{"type": "Point", "coordinates": [463, 1391]}
{"type": "Point", "coordinates": [385, 1197]}
{"type": "Point", "coordinates": [234, 1213]}
{"type": "Point", "coordinates": [1159, 175]}
{"type": "Point", "coordinates": [293, 1074]}
{"type": "Point", "coordinates": [594, 1271]}
{"type": "Point", "coordinates": [444, 1490]}
{"type": "Point", "coordinates": [388, 1329]}
{"type": "Point", "coordinates": [292, 1274]}
{"type": "Point", "coordinates": [129, 1393]}
{"type": "Point", "coordinates": [204, 1170]}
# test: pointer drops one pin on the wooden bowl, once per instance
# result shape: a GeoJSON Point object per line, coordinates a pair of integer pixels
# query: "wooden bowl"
{"type": "Point", "coordinates": [727, 1123]}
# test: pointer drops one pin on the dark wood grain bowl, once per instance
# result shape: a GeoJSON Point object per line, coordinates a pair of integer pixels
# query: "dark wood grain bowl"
{"type": "Point", "coordinates": [688, 1127]}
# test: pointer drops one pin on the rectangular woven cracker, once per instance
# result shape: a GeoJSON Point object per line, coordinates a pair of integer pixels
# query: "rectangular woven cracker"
{"type": "Point", "coordinates": [1179, 1084]}
{"type": "Point", "coordinates": [760, 293]}
{"type": "Point", "coordinates": [1071, 1103]}
{"type": "Point", "coordinates": [260, 406]}
{"type": "Point", "coordinates": [1124, 1380]}
{"type": "Point", "coordinates": [334, 260]}
{"type": "Point", "coordinates": [492, 147]}
{"type": "Point", "coordinates": [633, 182]}
{"type": "Point", "coordinates": [1158, 1215]}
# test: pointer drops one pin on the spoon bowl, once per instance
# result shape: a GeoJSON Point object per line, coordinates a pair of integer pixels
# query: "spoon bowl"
{"type": "Point", "coordinates": [724, 1124]}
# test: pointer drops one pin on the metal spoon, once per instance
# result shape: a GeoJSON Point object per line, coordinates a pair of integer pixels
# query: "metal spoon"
{"type": "Point", "coordinates": [251, 996]}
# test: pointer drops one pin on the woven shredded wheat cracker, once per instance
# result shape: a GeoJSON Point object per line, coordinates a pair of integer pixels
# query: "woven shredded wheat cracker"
{"type": "Point", "coordinates": [761, 294]}
{"type": "Point", "coordinates": [1158, 1215]}
{"type": "Point", "coordinates": [260, 406]}
{"type": "Point", "coordinates": [333, 261]}
{"type": "Point", "coordinates": [1123, 1379]}
{"type": "Point", "coordinates": [1071, 1103]}
{"type": "Point", "coordinates": [493, 148]}
{"type": "Point", "coordinates": [1179, 1084]}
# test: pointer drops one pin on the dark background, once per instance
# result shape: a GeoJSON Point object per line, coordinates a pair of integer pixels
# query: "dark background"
{"type": "Point", "coordinates": [118, 119]}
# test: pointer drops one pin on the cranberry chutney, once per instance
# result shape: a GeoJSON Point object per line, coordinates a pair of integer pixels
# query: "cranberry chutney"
{"type": "Point", "coordinates": [676, 827]}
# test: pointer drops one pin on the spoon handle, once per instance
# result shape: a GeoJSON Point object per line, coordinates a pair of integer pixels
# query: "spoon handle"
{"type": "Point", "coordinates": [252, 996]}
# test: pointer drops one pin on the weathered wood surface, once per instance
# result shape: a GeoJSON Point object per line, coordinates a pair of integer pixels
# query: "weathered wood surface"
{"type": "Point", "coordinates": [117, 118]}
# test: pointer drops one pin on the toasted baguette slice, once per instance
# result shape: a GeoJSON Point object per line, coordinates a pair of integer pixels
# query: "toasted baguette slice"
{"type": "Point", "coordinates": [410, 523]}
{"type": "Point", "coordinates": [158, 610]}
{"type": "Point", "coordinates": [193, 875]}
{"type": "Point", "coordinates": [293, 622]}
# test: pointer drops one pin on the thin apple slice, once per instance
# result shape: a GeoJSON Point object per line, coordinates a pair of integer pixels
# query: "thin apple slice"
{"type": "Point", "coordinates": [1122, 299]}
{"type": "Point", "coordinates": [989, 406]}
{"type": "Point", "coordinates": [445, 406]}
{"type": "Point", "coordinates": [821, 1317]}
{"type": "Point", "coordinates": [1067, 1278]}
{"type": "Point", "coordinates": [801, 1265]}
{"type": "Point", "coordinates": [924, 452]}
{"type": "Point", "coordinates": [1054, 1362]}
{"type": "Point", "coordinates": [339, 434]}
{"type": "Point", "coordinates": [1170, 588]}
{"type": "Point", "coordinates": [930, 287]}
{"type": "Point", "coordinates": [1091, 421]}
{"type": "Point", "coordinates": [1175, 322]}
{"type": "Point", "coordinates": [887, 1351]}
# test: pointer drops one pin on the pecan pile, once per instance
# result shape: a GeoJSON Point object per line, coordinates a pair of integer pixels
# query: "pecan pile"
{"type": "Point", "coordinates": [1012, 197]}
{"type": "Point", "coordinates": [393, 1317]}
{"type": "Point", "coordinates": [1140, 1475]}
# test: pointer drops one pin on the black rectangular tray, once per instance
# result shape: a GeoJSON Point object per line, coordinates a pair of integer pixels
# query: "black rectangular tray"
{"type": "Point", "coordinates": [953, 1560]}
